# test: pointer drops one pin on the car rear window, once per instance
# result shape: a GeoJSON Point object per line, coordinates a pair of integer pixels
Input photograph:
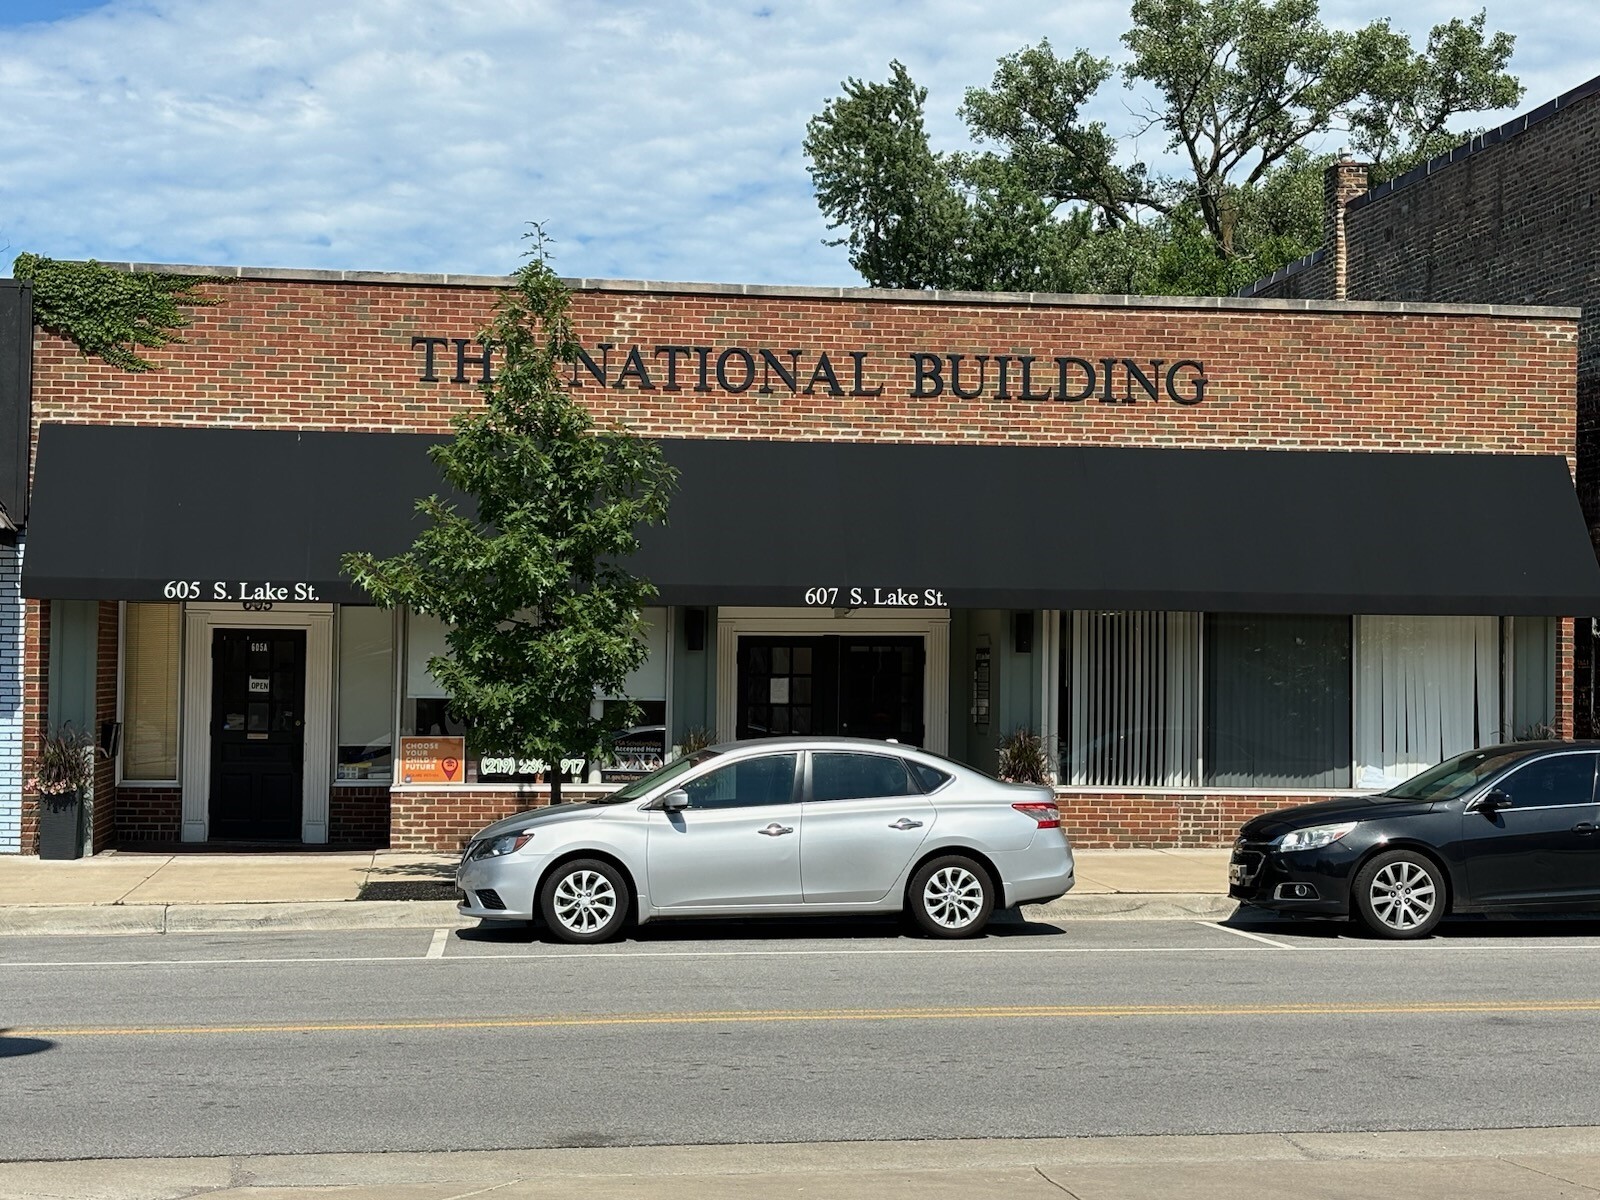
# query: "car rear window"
{"type": "Point", "coordinates": [931, 778]}
{"type": "Point", "coordinates": [842, 776]}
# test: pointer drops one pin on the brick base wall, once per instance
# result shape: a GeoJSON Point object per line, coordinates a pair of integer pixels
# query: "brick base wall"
{"type": "Point", "coordinates": [358, 817]}
{"type": "Point", "coordinates": [445, 820]}
{"type": "Point", "coordinates": [1151, 821]}
{"type": "Point", "coordinates": [148, 815]}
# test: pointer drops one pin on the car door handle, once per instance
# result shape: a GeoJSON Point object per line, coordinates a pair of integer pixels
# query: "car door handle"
{"type": "Point", "coordinates": [776, 830]}
{"type": "Point", "coordinates": [905, 823]}
{"type": "Point", "coordinates": [1583, 828]}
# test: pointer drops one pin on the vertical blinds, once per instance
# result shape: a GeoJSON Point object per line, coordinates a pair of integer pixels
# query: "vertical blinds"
{"type": "Point", "coordinates": [1133, 703]}
{"type": "Point", "coordinates": [1426, 688]}
{"type": "Point", "coordinates": [150, 692]}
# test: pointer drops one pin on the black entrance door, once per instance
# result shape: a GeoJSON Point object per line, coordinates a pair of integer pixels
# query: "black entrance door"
{"type": "Point", "coordinates": [257, 733]}
{"type": "Point", "coordinates": [836, 686]}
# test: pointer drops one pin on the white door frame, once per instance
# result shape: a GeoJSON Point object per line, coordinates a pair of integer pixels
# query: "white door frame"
{"type": "Point", "coordinates": [933, 626]}
{"type": "Point", "coordinates": [199, 622]}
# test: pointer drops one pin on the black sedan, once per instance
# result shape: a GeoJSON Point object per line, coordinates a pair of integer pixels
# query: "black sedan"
{"type": "Point", "coordinates": [1501, 829]}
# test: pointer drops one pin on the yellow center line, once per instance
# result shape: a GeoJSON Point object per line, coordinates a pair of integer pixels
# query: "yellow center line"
{"type": "Point", "coordinates": [1052, 1012]}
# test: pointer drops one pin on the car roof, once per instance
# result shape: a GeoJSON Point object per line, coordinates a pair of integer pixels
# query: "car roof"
{"type": "Point", "coordinates": [816, 742]}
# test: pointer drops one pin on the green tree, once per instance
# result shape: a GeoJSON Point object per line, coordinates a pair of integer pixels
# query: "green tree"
{"type": "Point", "coordinates": [1245, 91]}
{"type": "Point", "coordinates": [543, 615]}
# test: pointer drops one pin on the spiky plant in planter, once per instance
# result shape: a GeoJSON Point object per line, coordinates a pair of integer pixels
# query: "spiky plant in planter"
{"type": "Point", "coordinates": [1023, 758]}
{"type": "Point", "coordinates": [65, 772]}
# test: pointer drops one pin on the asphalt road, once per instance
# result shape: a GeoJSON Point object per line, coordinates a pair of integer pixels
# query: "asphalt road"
{"type": "Point", "coordinates": [416, 1040]}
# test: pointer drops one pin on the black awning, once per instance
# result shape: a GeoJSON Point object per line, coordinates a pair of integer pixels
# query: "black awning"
{"type": "Point", "coordinates": [120, 512]}
{"type": "Point", "coordinates": [124, 511]}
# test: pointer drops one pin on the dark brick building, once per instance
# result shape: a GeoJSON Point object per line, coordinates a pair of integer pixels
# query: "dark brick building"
{"type": "Point", "coordinates": [1509, 217]}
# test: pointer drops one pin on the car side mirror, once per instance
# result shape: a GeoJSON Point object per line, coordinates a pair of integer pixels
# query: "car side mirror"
{"type": "Point", "coordinates": [1494, 802]}
{"type": "Point", "coordinates": [675, 801]}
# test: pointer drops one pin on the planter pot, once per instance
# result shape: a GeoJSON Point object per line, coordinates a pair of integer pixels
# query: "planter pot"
{"type": "Point", "coordinates": [61, 826]}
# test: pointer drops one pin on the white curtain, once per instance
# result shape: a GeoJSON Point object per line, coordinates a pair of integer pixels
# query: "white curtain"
{"type": "Point", "coordinates": [1426, 688]}
{"type": "Point", "coordinates": [1133, 707]}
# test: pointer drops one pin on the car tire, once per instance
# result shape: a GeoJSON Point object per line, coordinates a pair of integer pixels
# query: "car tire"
{"type": "Point", "coordinates": [585, 900]}
{"type": "Point", "coordinates": [951, 897]}
{"type": "Point", "coordinates": [1399, 894]}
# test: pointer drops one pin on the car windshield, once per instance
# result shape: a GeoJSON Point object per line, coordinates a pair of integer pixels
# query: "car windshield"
{"type": "Point", "coordinates": [641, 787]}
{"type": "Point", "coordinates": [1457, 776]}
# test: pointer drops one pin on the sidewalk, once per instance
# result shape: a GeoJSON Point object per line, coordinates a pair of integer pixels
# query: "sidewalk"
{"type": "Point", "coordinates": [130, 892]}
{"type": "Point", "coordinates": [1535, 1164]}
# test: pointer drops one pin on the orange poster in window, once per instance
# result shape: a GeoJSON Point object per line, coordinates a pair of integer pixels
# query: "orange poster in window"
{"type": "Point", "coordinates": [433, 759]}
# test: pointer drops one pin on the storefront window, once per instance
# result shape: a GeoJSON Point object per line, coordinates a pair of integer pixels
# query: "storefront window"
{"type": "Point", "coordinates": [150, 692]}
{"type": "Point", "coordinates": [1427, 688]}
{"type": "Point", "coordinates": [366, 694]}
{"type": "Point", "coordinates": [426, 708]}
{"type": "Point", "coordinates": [1132, 700]}
{"type": "Point", "coordinates": [1533, 678]}
{"type": "Point", "coordinates": [1277, 701]}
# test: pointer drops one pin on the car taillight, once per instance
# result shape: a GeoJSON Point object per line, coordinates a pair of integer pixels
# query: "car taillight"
{"type": "Point", "coordinates": [1048, 816]}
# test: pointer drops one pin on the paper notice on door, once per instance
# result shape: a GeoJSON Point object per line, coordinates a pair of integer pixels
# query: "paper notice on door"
{"type": "Point", "coordinates": [432, 759]}
{"type": "Point", "coordinates": [778, 690]}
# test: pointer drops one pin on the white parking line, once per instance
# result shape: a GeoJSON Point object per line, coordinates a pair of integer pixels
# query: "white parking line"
{"type": "Point", "coordinates": [436, 947]}
{"type": "Point", "coordinates": [1245, 933]}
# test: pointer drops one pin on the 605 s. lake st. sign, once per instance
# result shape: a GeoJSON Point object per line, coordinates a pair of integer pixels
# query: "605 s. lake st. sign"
{"type": "Point", "coordinates": [1062, 378]}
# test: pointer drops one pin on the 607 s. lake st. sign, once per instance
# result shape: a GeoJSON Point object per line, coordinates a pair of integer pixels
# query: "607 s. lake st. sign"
{"type": "Point", "coordinates": [1062, 378]}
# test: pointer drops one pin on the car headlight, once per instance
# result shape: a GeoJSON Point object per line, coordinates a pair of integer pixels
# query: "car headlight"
{"type": "Point", "coordinates": [506, 843]}
{"type": "Point", "coordinates": [1315, 837]}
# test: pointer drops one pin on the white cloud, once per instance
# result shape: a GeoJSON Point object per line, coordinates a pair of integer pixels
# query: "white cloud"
{"type": "Point", "coordinates": [657, 138]}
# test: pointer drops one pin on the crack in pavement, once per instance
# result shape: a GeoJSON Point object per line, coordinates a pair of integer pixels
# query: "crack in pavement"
{"type": "Point", "coordinates": [1056, 1183]}
{"type": "Point", "coordinates": [1593, 1191]}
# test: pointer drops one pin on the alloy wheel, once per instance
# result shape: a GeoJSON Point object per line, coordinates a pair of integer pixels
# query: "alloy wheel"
{"type": "Point", "coordinates": [1403, 895]}
{"type": "Point", "coordinates": [953, 897]}
{"type": "Point", "coordinates": [585, 901]}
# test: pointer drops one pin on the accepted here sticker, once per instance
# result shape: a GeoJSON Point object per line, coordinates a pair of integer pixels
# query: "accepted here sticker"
{"type": "Point", "coordinates": [433, 759]}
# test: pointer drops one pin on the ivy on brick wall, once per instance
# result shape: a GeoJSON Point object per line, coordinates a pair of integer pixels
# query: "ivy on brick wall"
{"type": "Point", "coordinates": [107, 313]}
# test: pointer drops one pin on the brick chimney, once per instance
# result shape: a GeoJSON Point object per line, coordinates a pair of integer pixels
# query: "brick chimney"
{"type": "Point", "coordinates": [1341, 183]}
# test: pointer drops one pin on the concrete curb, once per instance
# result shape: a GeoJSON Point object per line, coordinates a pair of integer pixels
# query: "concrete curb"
{"type": "Point", "coordinates": [1134, 906]}
{"type": "Point", "coordinates": [328, 915]}
{"type": "Point", "coordinates": [336, 915]}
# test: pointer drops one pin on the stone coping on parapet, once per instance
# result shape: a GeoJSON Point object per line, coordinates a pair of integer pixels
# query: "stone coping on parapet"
{"type": "Point", "coordinates": [878, 295]}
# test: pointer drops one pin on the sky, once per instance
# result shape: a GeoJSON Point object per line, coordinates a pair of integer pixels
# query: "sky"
{"type": "Point", "coordinates": [655, 139]}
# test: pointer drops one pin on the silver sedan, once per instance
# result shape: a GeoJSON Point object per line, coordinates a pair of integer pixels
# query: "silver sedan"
{"type": "Point", "coordinates": [772, 827]}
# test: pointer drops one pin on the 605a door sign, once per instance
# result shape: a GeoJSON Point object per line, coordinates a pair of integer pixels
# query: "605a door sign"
{"type": "Point", "coordinates": [237, 589]}
{"type": "Point", "coordinates": [865, 597]}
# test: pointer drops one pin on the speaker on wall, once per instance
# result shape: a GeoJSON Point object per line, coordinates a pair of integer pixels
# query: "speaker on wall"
{"type": "Point", "coordinates": [1022, 630]}
{"type": "Point", "coordinates": [694, 628]}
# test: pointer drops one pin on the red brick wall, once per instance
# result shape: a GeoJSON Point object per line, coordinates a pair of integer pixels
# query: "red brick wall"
{"type": "Point", "coordinates": [35, 708]}
{"type": "Point", "coordinates": [148, 815]}
{"type": "Point", "coordinates": [317, 355]}
{"type": "Point", "coordinates": [1135, 820]}
{"type": "Point", "coordinates": [359, 817]}
{"type": "Point", "coordinates": [446, 819]}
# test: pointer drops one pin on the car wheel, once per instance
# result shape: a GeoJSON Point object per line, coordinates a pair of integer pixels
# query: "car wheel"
{"type": "Point", "coordinates": [951, 897]}
{"type": "Point", "coordinates": [585, 900]}
{"type": "Point", "coordinates": [1400, 894]}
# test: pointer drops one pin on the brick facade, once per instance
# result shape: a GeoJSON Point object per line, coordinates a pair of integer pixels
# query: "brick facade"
{"type": "Point", "coordinates": [148, 814]}
{"type": "Point", "coordinates": [324, 351]}
{"type": "Point", "coordinates": [1510, 217]}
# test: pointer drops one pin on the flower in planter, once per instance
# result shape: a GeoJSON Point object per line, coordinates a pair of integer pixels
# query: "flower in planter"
{"type": "Point", "coordinates": [65, 763]}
